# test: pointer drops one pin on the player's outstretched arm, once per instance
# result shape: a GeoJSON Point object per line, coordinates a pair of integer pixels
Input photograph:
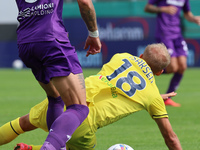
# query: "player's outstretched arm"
{"type": "Point", "coordinates": [164, 9]}
{"type": "Point", "coordinates": [89, 16]}
{"type": "Point", "coordinates": [190, 17]}
{"type": "Point", "coordinates": [168, 134]}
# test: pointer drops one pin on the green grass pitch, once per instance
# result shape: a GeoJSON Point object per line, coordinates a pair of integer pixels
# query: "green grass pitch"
{"type": "Point", "coordinates": [19, 91]}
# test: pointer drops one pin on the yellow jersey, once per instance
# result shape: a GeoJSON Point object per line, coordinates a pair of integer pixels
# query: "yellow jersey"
{"type": "Point", "coordinates": [124, 85]}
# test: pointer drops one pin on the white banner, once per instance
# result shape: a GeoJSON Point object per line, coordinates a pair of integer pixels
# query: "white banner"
{"type": "Point", "coordinates": [8, 12]}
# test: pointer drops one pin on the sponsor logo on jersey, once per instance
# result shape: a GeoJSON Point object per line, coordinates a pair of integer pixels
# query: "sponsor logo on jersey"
{"type": "Point", "coordinates": [176, 2]}
{"type": "Point", "coordinates": [36, 10]}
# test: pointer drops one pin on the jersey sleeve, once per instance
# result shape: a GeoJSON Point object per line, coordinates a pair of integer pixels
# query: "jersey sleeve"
{"type": "Point", "coordinates": [186, 6]}
{"type": "Point", "coordinates": [157, 108]}
{"type": "Point", "coordinates": [153, 2]}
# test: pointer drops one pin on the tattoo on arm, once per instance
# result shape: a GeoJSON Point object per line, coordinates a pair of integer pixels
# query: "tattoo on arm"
{"type": "Point", "coordinates": [89, 16]}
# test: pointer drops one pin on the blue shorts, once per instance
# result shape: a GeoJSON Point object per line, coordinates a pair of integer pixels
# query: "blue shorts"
{"type": "Point", "coordinates": [50, 59]}
{"type": "Point", "coordinates": [176, 47]}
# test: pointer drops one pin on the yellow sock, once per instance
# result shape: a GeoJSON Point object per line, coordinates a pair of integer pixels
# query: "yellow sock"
{"type": "Point", "coordinates": [10, 131]}
{"type": "Point", "coordinates": [36, 147]}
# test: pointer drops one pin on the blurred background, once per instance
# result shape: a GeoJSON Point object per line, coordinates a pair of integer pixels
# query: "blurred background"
{"type": "Point", "coordinates": [123, 27]}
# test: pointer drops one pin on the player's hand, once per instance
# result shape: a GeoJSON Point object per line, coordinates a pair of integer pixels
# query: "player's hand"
{"type": "Point", "coordinates": [169, 9]}
{"type": "Point", "coordinates": [197, 19]}
{"type": "Point", "coordinates": [166, 96]}
{"type": "Point", "coordinates": [94, 45]}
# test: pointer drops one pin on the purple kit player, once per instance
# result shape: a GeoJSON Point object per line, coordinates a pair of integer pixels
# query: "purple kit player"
{"type": "Point", "coordinates": [45, 48]}
{"type": "Point", "coordinates": [168, 31]}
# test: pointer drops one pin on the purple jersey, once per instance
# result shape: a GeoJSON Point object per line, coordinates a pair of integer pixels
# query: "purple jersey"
{"type": "Point", "coordinates": [40, 20]}
{"type": "Point", "coordinates": [170, 25]}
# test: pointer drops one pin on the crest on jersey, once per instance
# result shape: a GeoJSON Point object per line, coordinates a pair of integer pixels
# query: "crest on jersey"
{"type": "Point", "coordinates": [31, 1]}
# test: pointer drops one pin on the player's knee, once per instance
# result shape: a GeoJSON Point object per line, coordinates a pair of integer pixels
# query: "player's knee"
{"type": "Point", "coordinates": [182, 69]}
{"type": "Point", "coordinates": [172, 69]}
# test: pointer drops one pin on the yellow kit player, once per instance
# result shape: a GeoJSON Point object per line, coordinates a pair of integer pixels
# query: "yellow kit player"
{"type": "Point", "coordinates": [124, 85]}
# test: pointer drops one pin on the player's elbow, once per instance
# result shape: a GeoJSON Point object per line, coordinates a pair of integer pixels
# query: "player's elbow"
{"type": "Point", "coordinates": [170, 140]}
{"type": "Point", "coordinates": [147, 8]}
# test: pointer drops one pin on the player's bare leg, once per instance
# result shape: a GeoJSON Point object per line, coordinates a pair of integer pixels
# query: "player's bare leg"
{"type": "Point", "coordinates": [73, 94]}
{"type": "Point", "coordinates": [25, 123]}
{"type": "Point", "coordinates": [177, 65]}
{"type": "Point", "coordinates": [173, 66]}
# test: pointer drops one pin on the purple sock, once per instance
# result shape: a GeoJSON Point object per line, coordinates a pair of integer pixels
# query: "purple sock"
{"type": "Point", "coordinates": [55, 109]}
{"type": "Point", "coordinates": [175, 81]}
{"type": "Point", "coordinates": [65, 125]}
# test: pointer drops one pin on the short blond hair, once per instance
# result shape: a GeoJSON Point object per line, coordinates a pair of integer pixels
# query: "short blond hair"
{"type": "Point", "coordinates": [156, 56]}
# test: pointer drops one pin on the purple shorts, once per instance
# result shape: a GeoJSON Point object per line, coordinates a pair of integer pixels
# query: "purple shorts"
{"type": "Point", "coordinates": [176, 47]}
{"type": "Point", "coordinates": [50, 59]}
